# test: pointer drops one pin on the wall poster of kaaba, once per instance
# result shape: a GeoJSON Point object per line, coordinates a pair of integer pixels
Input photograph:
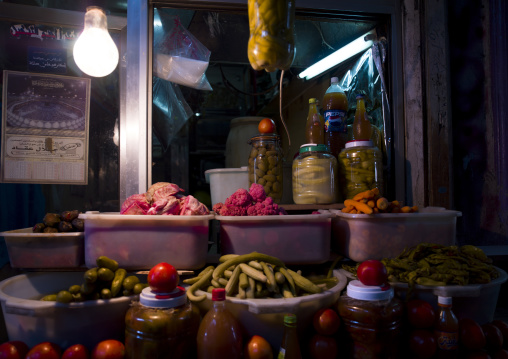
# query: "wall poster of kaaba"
{"type": "Point", "coordinates": [45, 121]}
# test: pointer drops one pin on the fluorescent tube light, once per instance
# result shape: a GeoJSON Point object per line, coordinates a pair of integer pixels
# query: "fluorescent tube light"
{"type": "Point", "coordinates": [360, 44]}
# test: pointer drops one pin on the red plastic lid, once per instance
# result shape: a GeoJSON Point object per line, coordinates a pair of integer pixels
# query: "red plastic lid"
{"type": "Point", "coordinates": [218, 294]}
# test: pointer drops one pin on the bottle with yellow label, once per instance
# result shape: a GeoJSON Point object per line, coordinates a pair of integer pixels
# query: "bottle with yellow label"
{"type": "Point", "coordinates": [446, 329]}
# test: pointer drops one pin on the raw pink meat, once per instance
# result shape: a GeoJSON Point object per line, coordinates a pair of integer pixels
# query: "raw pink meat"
{"type": "Point", "coordinates": [135, 204]}
{"type": "Point", "coordinates": [162, 190]}
{"type": "Point", "coordinates": [191, 206]}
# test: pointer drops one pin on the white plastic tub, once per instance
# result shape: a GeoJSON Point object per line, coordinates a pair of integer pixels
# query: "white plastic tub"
{"type": "Point", "coordinates": [44, 250]}
{"type": "Point", "coordinates": [34, 321]}
{"type": "Point", "coordinates": [377, 236]}
{"type": "Point", "coordinates": [142, 241]}
{"type": "Point", "coordinates": [265, 317]}
{"type": "Point", "coordinates": [294, 239]}
{"type": "Point", "coordinates": [475, 301]}
{"type": "Point", "coordinates": [225, 181]}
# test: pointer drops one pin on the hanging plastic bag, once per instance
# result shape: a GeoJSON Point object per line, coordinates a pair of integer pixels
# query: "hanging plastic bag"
{"type": "Point", "coordinates": [178, 56]}
{"type": "Point", "coordinates": [170, 111]}
{"type": "Point", "coordinates": [271, 42]}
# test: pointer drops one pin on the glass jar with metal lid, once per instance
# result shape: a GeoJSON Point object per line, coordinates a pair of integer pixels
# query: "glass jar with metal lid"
{"type": "Point", "coordinates": [161, 326]}
{"type": "Point", "coordinates": [265, 164]}
{"type": "Point", "coordinates": [315, 175]}
{"type": "Point", "coordinates": [372, 317]}
{"type": "Point", "coordinates": [361, 168]}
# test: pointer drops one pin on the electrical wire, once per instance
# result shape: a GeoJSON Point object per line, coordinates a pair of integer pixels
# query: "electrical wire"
{"type": "Point", "coordinates": [233, 88]}
{"type": "Point", "coordinates": [280, 110]}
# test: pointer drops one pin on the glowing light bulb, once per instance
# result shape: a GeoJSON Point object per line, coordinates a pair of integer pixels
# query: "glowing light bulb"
{"type": "Point", "coordinates": [95, 52]}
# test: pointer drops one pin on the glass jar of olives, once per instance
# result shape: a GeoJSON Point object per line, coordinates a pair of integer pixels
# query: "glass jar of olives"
{"type": "Point", "coordinates": [360, 168]}
{"type": "Point", "coordinates": [161, 326]}
{"type": "Point", "coordinates": [265, 164]}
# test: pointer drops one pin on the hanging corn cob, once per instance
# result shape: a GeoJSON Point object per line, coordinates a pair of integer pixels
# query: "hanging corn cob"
{"type": "Point", "coordinates": [271, 42]}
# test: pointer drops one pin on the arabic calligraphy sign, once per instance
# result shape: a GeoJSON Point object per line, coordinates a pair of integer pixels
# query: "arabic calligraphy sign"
{"type": "Point", "coordinates": [52, 61]}
{"type": "Point", "coordinates": [45, 128]}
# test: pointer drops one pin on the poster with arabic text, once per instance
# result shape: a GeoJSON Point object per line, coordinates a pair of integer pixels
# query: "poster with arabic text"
{"type": "Point", "coordinates": [45, 119]}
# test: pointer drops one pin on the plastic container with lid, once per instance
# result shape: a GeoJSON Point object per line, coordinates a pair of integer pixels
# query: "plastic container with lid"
{"type": "Point", "coordinates": [265, 164]}
{"type": "Point", "coordinates": [161, 326]}
{"type": "Point", "coordinates": [360, 168]}
{"type": "Point", "coordinates": [372, 317]}
{"type": "Point", "coordinates": [315, 173]}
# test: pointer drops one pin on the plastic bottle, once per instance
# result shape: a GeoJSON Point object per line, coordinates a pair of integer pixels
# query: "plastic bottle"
{"type": "Point", "coordinates": [290, 347]}
{"type": "Point", "coordinates": [446, 329]}
{"type": "Point", "coordinates": [315, 126]}
{"type": "Point", "coordinates": [335, 107]}
{"type": "Point", "coordinates": [219, 335]}
{"type": "Point", "coordinates": [362, 128]}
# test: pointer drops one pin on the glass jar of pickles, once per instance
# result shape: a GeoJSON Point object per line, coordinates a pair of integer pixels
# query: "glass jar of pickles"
{"type": "Point", "coordinates": [314, 175]}
{"type": "Point", "coordinates": [265, 164]}
{"type": "Point", "coordinates": [360, 168]}
{"type": "Point", "coordinates": [161, 326]}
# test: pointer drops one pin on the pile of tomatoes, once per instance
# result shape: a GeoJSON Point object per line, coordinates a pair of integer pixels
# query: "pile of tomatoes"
{"type": "Point", "coordinates": [106, 349]}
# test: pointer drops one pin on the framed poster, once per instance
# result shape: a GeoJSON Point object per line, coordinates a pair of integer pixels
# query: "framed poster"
{"type": "Point", "coordinates": [45, 120]}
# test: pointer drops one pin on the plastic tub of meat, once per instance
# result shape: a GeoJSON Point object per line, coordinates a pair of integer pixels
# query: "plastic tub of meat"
{"type": "Point", "coordinates": [385, 235]}
{"type": "Point", "coordinates": [44, 250]}
{"type": "Point", "coordinates": [142, 241]}
{"type": "Point", "coordinates": [294, 239]}
{"type": "Point", "coordinates": [33, 321]}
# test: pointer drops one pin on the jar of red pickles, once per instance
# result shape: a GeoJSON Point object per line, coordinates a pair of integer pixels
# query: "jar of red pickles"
{"type": "Point", "coordinates": [372, 317]}
{"type": "Point", "coordinates": [161, 326]}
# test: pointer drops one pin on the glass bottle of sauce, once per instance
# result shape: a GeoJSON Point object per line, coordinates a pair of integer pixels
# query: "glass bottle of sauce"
{"type": "Point", "coordinates": [290, 347]}
{"type": "Point", "coordinates": [219, 335]}
{"type": "Point", "coordinates": [161, 326]}
{"type": "Point", "coordinates": [362, 129]}
{"type": "Point", "coordinates": [315, 126]}
{"type": "Point", "coordinates": [335, 106]}
{"type": "Point", "coordinates": [446, 329]}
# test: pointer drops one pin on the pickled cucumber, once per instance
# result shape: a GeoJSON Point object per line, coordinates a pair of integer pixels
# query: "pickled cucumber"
{"type": "Point", "coordinates": [265, 166]}
{"type": "Point", "coordinates": [129, 282]}
{"type": "Point", "coordinates": [105, 262]}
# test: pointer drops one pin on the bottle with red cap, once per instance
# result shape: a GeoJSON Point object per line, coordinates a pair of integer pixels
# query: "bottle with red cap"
{"type": "Point", "coordinates": [220, 334]}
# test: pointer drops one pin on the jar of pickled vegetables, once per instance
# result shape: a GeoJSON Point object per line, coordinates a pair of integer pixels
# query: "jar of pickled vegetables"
{"type": "Point", "coordinates": [360, 168]}
{"type": "Point", "coordinates": [315, 175]}
{"type": "Point", "coordinates": [372, 317]}
{"type": "Point", "coordinates": [161, 326]}
{"type": "Point", "coordinates": [265, 164]}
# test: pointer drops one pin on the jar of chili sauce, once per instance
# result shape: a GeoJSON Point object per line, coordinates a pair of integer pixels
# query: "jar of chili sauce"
{"type": "Point", "coordinates": [372, 317]}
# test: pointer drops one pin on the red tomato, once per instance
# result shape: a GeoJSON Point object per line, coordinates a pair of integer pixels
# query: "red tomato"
{"type": "Point", "coordinates": [420, 314]}
{"type": "Point", "coordinates": [109, 349]}
{"type": "Point", "coordinates": [494, 337]}
{"type": "Point", "coordinates": [503, 327]}
{"type": "Point", "coordinates": [258, 348]}
{"type": "Point", "coordinates": [76, 351]}
{"type": "Point", "coordinates": [15, 349]}
{"type": "Point", "coordinates": [422, 343]}
{"type": "Point", "coordinates": [266, 125]}
{"type": "Point", "coordinates": [500, 354]}
{"type": "Point", "coordinates": [163, 278]}
{"type": "Point", "coordinates": [326, 321]}
{"type": "Point", "coordinates": [477, 354]}
{"type": "Point", "coordinates": [44, 350]}
{"type": "Point", "coordinates": [323, 347]}
{"type": "Point", "coordinates": [372, 272]}
{"type": "Point", "coordinates": [471, 334]}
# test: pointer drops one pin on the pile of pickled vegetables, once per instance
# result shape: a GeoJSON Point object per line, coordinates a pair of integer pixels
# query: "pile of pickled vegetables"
{"type": "Point", "coordinates": [438, 265]}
